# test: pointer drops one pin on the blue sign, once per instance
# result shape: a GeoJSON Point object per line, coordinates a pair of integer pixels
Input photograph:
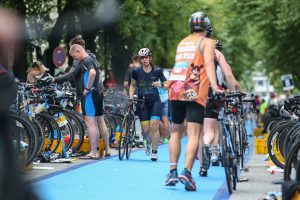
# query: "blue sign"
{"type": "Point", "coordinates": [59, 56]}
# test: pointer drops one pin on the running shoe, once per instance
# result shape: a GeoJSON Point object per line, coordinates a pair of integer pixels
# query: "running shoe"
{"type": "Point", "coordinates": [154, 157]}
{"type": "Point", "coordinates": [172, 179]}
{"type": "Point", "coordinates": [205, 157]}
{"type": "Point", "coordinates": [202, 172]}
{"type": "Point", "coordinates": [186, 179]}
{"type": "Point", "coordinates": [214, 161]}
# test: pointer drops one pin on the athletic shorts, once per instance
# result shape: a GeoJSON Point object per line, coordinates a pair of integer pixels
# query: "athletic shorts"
{"type": "Point", "coordinates": [212, 107]}
{"type": "Point", "coordinates": [192, 111]}
{"type": "Point", "coordinates": [92, 104]}
{"type": "Point", "coordinates": [210, 110]}
{"type": "Point", "coordinates": [150, 111]}
{"type": "Point", "coordinates": [165, 109]}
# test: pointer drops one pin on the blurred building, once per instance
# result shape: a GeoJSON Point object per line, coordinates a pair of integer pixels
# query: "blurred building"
{"type": "Point", "coordinates": [262, 86]}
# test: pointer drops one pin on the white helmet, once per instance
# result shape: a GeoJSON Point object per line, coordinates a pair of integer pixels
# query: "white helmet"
{"type": "Point", "coordinates": [144, 52]}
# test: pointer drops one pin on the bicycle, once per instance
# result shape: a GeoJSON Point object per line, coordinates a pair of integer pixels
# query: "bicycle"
{"type": "Point", "coordinates": [127, 132]}
{"type": "Point", "coordinates": [231, 137]}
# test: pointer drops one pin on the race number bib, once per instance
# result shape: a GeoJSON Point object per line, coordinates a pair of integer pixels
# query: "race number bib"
{"type": "Point", "coordinates": [179, 71]}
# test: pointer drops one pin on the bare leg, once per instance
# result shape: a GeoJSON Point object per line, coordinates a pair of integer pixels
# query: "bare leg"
{"type": "Point", "coordinates": [193, 132]}
{"type": "Point", "coordinates": [104, 133]}
{"type": "Point", "coordinates": [199, 153]}
{"type": "Point", "coordinates": [166, 127]}
{"type": "Point", "coordinates": [145, 131]}
{"type": "Point", "coordinates": [154, 134]}
{"type": "Point", "coordinates": [93, 134]}
{"type": "Point", "coordinates": [216, 138]}
{"type": "Point", "coordinates": [209, 128]}
{"type": "Point", "coordinates": [161, 130]}
{"type": "Point", "coordinates": [174, 144]}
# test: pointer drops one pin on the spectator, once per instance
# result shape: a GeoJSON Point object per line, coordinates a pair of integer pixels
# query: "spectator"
{"type": "Point", "coordinates": [74, 75]}
{"type": "Point", "coordinates": [127, 79]}
{"type": "Point", "coordinates": [36, 69]}
{"type": "Point", "coordinates": [263, 109]}
{"type": "Point", "coordinates": [110, 82]}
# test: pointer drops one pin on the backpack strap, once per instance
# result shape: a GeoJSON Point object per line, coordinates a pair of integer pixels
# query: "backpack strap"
{"type": "Point", "coordinates": [199, 46]}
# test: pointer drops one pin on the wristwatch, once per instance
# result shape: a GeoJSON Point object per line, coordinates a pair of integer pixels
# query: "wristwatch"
{"type": "Point", "coordinates": [87, 89]}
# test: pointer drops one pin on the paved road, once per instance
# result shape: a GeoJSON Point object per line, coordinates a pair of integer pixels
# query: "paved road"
{"type": "Point", "coordinates": [140, 178]}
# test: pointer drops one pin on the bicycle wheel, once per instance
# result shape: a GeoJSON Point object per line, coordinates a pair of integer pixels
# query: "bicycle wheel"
{"type": "Point", "coordinates": [15, 136]}
{"type": "Point", "coordinates": [28, 134]}
{"type": "Point", "coordinates": [41, 134]}
{"type": "Point", "coordinates": [290, 139]}
{"type": "Point", "coordinates": [273, 149]}
{"type": "Point", "coordinates": [292, 161]}
{"type": "Point", "coordinates": [52, 130]}
{"type": "Point", "coordinates": [130, 138]}
{"type": "Point", "coordinates": [122, 141]}
{"type": "Point", "coordinates": [239, 147]}
{"type": "Point", "coordinates": [226, 161]}
{"type": "Point", "coordinates": [283, 135]}
{"type": "Point", "coordinates": [79, 129]}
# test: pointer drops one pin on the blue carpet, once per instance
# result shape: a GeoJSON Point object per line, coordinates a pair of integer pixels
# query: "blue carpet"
{"type": "Point", "coordinates": [136, 178]}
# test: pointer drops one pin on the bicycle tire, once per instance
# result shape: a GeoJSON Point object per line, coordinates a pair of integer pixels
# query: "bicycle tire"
{"type": "Point", "coordinates": [226, 161]}
{"type": "Point", "coordinates": [55, 127]}
{"type": "Point", "coordinates": [271, 124]}
{"type": "Point", "coordinates": [130, 137]}
{"type": "Point", "coordinates": [81, 129]}
{"type": "Point", "coordinates": [27, 127]}
{"type": "Point", "coordinates": [289, 140]}
{"type": "Point", "coordinates": [239, 141]}
{"type": "Point", "coordinates": [293, 154]}
{"type": "Point", "coordinates": [283, 135]}
{"type": "Point", "coordinates": [78, 129]}
{"type": "Point", "coordinates": [41, 134]}
{"type": "Point", "coordinates": [15, 136]}
{"type": "Point", "coordinates": [273, 150]}
{"type": "Point", "coordinates": [121, 146]}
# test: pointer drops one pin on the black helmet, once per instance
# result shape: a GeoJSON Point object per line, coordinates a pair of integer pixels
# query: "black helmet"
{"type": "Point", "coordinates": [219, 45]}
{"type": "Point", "coordinates": [199, 21]}
{"type": "Point", "coordinates": [209, 30]}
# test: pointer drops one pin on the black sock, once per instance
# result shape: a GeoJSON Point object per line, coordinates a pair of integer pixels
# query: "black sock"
{"type": "Point", "coordinates": [154, 151]}
{"type": "Point", "coordinates": [173, 170]}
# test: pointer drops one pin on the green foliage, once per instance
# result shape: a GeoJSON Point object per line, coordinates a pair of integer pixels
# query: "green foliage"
{"type": "Point", "coordinates": [158, 25]}
{"type": "Point", "coordinates": [253, 31]}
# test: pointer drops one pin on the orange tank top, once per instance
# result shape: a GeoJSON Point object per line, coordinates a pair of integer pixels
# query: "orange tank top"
{"type": "Point", "coordinates": [189, 81]}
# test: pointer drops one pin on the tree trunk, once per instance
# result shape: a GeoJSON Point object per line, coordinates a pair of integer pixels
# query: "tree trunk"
{"type": "Point", "coordinates": [20, 58]}
{"type": "Point", "coordinates": [55, 37]}
{"type": "Point", "coordinates": [120, 58]}
{"type": "Point", "coordinates": [71, 33]}
{"type": "Point", "coordinates": [88, 34]}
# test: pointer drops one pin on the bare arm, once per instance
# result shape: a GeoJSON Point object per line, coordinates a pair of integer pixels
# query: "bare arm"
{"type": "Point", "coordinates": [209, 63]}
{"type": "Point", "coordinates": [92, 75]}
{"type": "Point", "coordinates": [226, 69]}
{"type": "Point", "coordinates": [126, 86]}
{"type": "Point", "coordinates": [132, 88]}
{"type": "Point", "coordinates": [233, 84]}
{"type": "Point", "coordinates": [32, 74]}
